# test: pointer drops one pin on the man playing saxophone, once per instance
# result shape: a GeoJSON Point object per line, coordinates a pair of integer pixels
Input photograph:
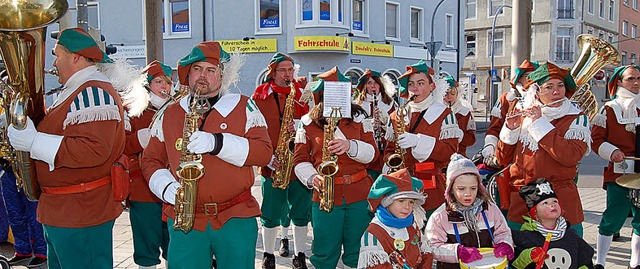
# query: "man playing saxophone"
{"type": "Point", "coordinates": [431, 132]}
{"type": "Point", "coordinates": [352, 149]}
{"type": "Point", "coordinates": [279, 108]}
{"type": "Point", "coordinates": [231, 137]}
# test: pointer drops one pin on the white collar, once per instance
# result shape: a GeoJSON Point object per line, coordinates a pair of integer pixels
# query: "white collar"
{"type": "Point", "coordinates": [459, 108]}
{"type": "Point", "coordinates": [76, 80]}
{"type": "Point", "coordinates": [224, 106]}
{"type": "Point", "coordinates": [434, 112]}
{"type": "Point", "coordinates": [395, 233]}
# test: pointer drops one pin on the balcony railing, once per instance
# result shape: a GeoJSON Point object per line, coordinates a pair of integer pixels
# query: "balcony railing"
{"type": "Point", "coordinates": [564, 56]}
{"type": "Point", "coordinates": [565, 13]}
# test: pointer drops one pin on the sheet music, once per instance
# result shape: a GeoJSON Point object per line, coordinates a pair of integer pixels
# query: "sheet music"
{"type": "Point", "coordinates": [337, 94]}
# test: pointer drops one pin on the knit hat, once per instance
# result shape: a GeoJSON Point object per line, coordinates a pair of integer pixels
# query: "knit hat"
{"type": "Point", "coordinates": [155, 68]}
{"type": "Point", "coordinates": [525, 66]}
{"type": "Point", "coordinates": [275, 60]}
{"type": "Point", "coordinates": [460, 165]}
{"type": "Point", "coordinates": [451, 81]}
{"type": "Point", "coordinates": [365, 77]}
{"type": "Point", "coordinates": [397, 185]}
{"type": "Point", "coordinates": [536, 192]}
{"type": "Point", "coordinates": [612, 86]}
{"type": "Point", "coordinates": [209, 51]}
{"type": "Point", "coordinates": [551, 71]}
{"type": "Point", "coordinates": [331, 75]}
{"type": "Point", "coordinates": [78, 41]}
{"type": "Point", "coordinates": [419, 67]}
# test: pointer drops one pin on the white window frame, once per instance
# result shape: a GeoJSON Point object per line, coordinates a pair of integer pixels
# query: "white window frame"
{"type": "Point", "coordinates": [489, 9]}
{"type": "Point", "coordinates": [475, 54]}
{"type": "Point", "coordinates": [168, 22]}
{"type": "Point", "coordinates": [267, 31]}
{"type": "Point", "coordinates": [635, 4]}
{"type": "Point", "coordinates": [623, 56]}
{"type": "Point", "coordinates": [571, 8]}
{"type": "Point", "coordinates": [625, 28]}
{"type": "Point", "coordinates": [489, 43]}
{"type": "Point", "coordinates": [466, 16]}
{"type": "Point", "coordinates": [591, 6]}
{"type": "Point", "coordinates": [420, 39]}
{"type": "Point", "coordinates": [316, 22]}
{"type": "Point", "coordinates": [634, 31]}
{"type": "Point", "coordinates": [601, 9]}
{"type": "Point", "coordinates": [396, 38]}
{"type": "Point", "coordinates": [449, 42]}
{"type": "Point", "coordinates": [570, 45]}
{"type": "Point", "coordinates": [611, 10]}
{"type": "Point", "coordinates": [365, 19]}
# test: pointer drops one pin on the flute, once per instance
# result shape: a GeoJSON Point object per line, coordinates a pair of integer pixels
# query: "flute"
{"type": "Point", "coordinates": [527, 112]}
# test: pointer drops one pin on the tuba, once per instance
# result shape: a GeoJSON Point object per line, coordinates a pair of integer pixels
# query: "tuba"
{"type": "Point", "coordinates": [596, 53]}
{"type": "Point", "coordinates": [285, 147]}
{"type": "Point", "coordinates": [395, 161]}
{"type": "Point", "coordinates": [329, 166]}
{"type": "Point", "coordinates": [23, 25]}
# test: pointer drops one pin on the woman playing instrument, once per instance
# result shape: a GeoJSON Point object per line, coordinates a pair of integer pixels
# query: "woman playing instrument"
{"type": "Point", "coordinates": [468, 220]}
{"type": "Point", "coordinates": [350, 146]}
{"type": "Point", "coordinates": [462, 110]}
{"type": "Point", "coordinates": [550, 132]}
{"type": "Point", "coordinates": [393, 238]}
{"type": "Point", "coordinates": [429, 133]}
{"type": "Point", "coordinates": [150, 234]}
{"type": "Point", "coordinates": [375, 97]}
{"type": "Point", "coordinates": [544, 238]}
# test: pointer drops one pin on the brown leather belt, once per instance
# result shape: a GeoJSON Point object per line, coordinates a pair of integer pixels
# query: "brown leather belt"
{"type": "Point", "coordinates": [212, 209]}
{"type": "Point", "coordinates": [82, 187]}
{"type": "Point", "coordinates": [350, 179]}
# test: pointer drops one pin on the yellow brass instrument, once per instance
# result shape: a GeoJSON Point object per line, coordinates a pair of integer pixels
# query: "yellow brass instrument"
{"type": "Point", "coordinates": [189, 171]}
{"type": "Point", "coordinates": [596, 53]}
{"type": "Point", "coordinates": [22, 36]}
{"type": "Point", "coordinates": [395, 161]}
{"type": "Point", "coordinates": [329, 166]}
{"type": "Point", "coordinates": [285, 147]}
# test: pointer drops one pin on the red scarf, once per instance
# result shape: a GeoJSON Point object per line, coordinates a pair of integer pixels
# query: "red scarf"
{"type": "Point", "coordinates": [262, 92]}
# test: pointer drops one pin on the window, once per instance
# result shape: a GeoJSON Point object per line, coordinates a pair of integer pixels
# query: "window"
{"type": "Point", "coordinates": [625, 28]}
{"type": "Point", "coordinates": [565, 9]}
{"type": "Point", "coordinates": [416, 24]}
{"type": "Point", "coordinates": [635, 4]}
{"type": "Point", "coordinates": [323, 12]}
{"type": "Point", "coordinates": [498, 43]}
{"type": "Point", "coordinates": [358, 16]}
{"type": "Point", "coordinates": [470, 39]}
{"type": "Point", "coordinates": [564, 53]}
{"type": "Point", "coordinates": [392, 20]}
{"type": "Point", "coordinates": [610, 39]}
{"type": "Point", "coordinates": [601, 6]}
{"type": "Point", "coordinates": [448, 35]}
{"type": "Point", "coordinates": [493, 6]}
{"type": "Point", "coordinates": [634, 31]}
{"type": "Point", "coordinates": [590, 8]}
{"type": "Point", "coordinates": [611, 8]}
{"type": "Point", "coordinates": [307, 10]}
{"type": "Point", "coordinates": [632, 59]}
{"type": "Point", "coordinates": [623, 55]}
{"type": "Point", "coordinates": [601, 35]}
{"type": "Point", "coordinates": [626, 2]}
{"type": "Point", "coordinates": [269, 16]}
{"type": "Point", "coordinates": [354, 74]}
{"type": "Point", "coordinates": [471, 9]}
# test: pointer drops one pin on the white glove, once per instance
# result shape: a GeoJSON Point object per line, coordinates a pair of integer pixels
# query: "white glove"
{"type": "Point", "coordinates": [164, 185]}
{"type": "Point", "coordinates": [270, 165]}
{"type": "Point", "coordinates": [201, 142]}
{"type": "Point", "coordinates": [488, 150]}
{"type": "Point", "coordinates": [143, 137]}
{"type": "Point", "coordinates": [22, 140]}
{"type": "Point", "coordinates": [170, 194]}
{"type": "Point", "coordinates": [408, 140]}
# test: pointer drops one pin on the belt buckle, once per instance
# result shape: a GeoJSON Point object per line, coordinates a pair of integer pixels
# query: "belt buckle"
{"type": "Point", "coordinates": [346, 179]}
{"type": "Point", "coordinates": [214, 207]}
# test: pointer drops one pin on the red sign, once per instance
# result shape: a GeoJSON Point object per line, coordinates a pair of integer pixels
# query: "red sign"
{"type": "Point", "coordinates": [599, 75]}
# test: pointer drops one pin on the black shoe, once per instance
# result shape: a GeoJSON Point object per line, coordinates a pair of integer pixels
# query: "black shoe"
{"type": "Point", "coordinates": [37, 261]}
{"type": "Point", "coordinates": [598, 266]}
{"type": "Point", "coordinates": [637, 267]}
{"type": "Point", "coordinates": [299, 261]}
{"type": "Point", "coordinates": [214, 263]}
{"type": "Point", "coordinates": [284, 248]}
{"type": "Point", "coordinates": [269, 261]}
{"type": "Point", "coordinates": [615, 237]}
{"type": "Point", "coordinates": [19, 260]}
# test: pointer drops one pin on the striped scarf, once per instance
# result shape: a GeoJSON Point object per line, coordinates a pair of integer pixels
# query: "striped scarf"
{"type": "Point", "coordinates": [557, 233]}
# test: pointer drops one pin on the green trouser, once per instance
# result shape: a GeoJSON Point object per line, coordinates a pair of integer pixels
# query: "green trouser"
{"type": "Point", "coordinates": [341, 228]}
{"type": "Point", "coordinates": [276, 203]}
{"type": "Point", "coordinates": [516, 227]}
{"type": "Point", "coordinates": [234, 246]}
{"type": "Point", "coordinates": [618, 206]}
{"type": "Point", "coordinates": [71, 248]}
{"type": "Point", "coordinates": [150, 234]}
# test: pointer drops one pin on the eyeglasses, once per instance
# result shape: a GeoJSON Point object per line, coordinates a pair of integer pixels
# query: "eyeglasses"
{"type": "Point", "coordinates": [631, 79]}
{"type": "Point", "coordinates": [282, 70]}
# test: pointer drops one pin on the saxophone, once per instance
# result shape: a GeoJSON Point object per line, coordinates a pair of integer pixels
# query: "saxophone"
{"type": "Point", "coordinates": [329, 165]}
{"type": "Point", "coordinates": [189, 171]}
{"type": "Point", "coordinates": [396, 160]}
{"type": "Point", "coordinates": [284, 150]}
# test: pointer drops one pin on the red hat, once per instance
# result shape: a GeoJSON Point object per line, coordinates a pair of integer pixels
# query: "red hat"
{"type": "Point", "coordinates": [209, 51]}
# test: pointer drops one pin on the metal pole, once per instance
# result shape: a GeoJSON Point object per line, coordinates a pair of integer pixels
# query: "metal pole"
{"type": "Point", "coordinates": [153, 34]}
{"type": "Point", "coordinates": [83, 15]}
{"type": "Point", "coordinates": [493, 37]}
{"type": "Point", "coordinates": [433, 44]}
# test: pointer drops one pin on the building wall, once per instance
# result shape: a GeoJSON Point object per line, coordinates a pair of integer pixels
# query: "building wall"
{"type": "Point", "coordinates": [628, 45]}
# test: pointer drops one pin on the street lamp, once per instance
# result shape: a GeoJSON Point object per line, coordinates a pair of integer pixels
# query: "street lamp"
{"type": "Point", "coordinates": [433, 44]}
{"type": "Point", "coordinates": [493, 41]}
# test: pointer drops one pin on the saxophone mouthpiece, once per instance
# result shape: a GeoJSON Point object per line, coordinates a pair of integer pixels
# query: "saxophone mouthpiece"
{"type": "Point", "coordinates": [287, 81]}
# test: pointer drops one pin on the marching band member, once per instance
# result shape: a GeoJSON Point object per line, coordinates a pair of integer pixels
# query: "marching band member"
{"type": "Point", "coordinates": [354, 146]}
{"type": "Point", "coordinates": [150, 234]}
{"type": "Point", "coordinates": [564, 247]}
{"type": "Point", "coordinates": [375, 97]}
{"type": "Point", "coordinates": [431, 133]}
{"type": "Point", "coordinates": [230, 138]}
{"type": "Point", "coordinates": [614, 135]}
{"type": "Point", "coordinates": [393, 239]}
{"type": "Point", "coordinates": [468, 220]}
{"type": "Point", "coordinates": [74, 147]}
{"type": "Point", "coordinates": [500, 109]}
{"type": "Point", "coordinates": [295, 198]}
{"type": "Point", "coordinates": [551, 132]}
{"type": "Point", "coordinates": [462, 110]}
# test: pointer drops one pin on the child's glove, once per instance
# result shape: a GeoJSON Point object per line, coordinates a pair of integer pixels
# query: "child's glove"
{"type": "Point", "coordinates": [468, 254]}
{"type": "Point", "coordinates": [537, 254]}
{"type": "Point", "coordinates": [503, 250]}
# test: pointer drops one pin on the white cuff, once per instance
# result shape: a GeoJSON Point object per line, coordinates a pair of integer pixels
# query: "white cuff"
{"type": "Point", "coordinates": [508, 136]}
{"type": "Point", "coordinates": [425, 146]}
{"type": "Point", "coordinates": [305, 173]}
{"type": "Point", "coordinates": [159, 182]}
{"type": "Point", "coordinates": [360, 151]}
{"type": "Point", "coordinates": [235, 149]}
{"type": "Point", "coordinates": [539, 128]}
{"type": "Point", "coordinates": [605, 150]}
{"type": "Point", "coordinates": [491, 140]}
{"type": "Point", "coordinates": [270, 165]}
{"type": "Point", "coordinates": [45, 147]}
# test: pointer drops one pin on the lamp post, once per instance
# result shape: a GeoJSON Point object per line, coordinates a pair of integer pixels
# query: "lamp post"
{"type": "Point", "coordinates": [493, 38]}
{"type": "Point", "coordinates": [433, 44]}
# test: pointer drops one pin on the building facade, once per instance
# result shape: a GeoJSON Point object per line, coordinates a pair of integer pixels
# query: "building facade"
{"type": "Point", "coordinates": [629, 45]}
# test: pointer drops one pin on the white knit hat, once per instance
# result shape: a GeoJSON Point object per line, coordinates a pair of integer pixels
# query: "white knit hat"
{"type": "Point", "coordinates": [460, 165]}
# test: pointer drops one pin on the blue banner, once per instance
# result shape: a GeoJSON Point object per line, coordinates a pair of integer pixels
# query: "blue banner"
{"type": "Point", "coordinates": [181, 27]}
{"type": "Point", "coordinates": [357, 26]}
{"type": "Point", "coordinates": [270, 23]}
{"type": "Point", "coordinates": [307, 15]}
{"type": "Point", "coordinates": [325, 15]}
